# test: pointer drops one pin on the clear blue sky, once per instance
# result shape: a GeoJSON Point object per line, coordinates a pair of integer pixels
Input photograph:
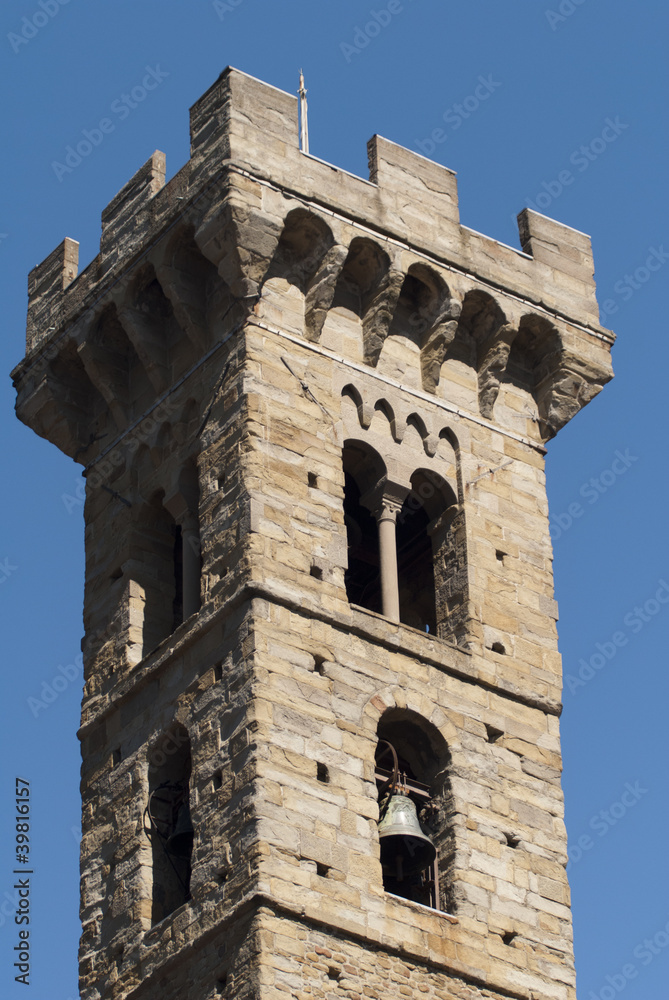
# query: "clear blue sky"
{"type": "Point", "coordinates": [553, 83]}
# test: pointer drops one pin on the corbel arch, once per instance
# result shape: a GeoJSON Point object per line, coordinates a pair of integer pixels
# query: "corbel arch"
{"type": "Point", "coordinates": [534, 358]}
{"type": "Point", "coordinates": [304, 241]}
{"type": "Point", "coordinates": [477, 353]}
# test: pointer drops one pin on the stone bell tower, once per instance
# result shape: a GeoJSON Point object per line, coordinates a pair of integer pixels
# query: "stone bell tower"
{"type": "Point", "coordinates": [311, 410]}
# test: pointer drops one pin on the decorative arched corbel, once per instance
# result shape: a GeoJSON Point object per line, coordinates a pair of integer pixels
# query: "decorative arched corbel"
{"type": "Point", "coordinates": [321, 291]}
{"type": "Point", "coordinates": [565, 391]}
{"type": "Point", "coordinates": [492, 357]}
{"type": "Point", "coordinates": [378, 313]}
{"type": "Point", "coordinates": [240, 243]}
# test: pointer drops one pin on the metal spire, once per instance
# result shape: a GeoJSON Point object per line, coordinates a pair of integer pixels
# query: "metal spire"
{"type": "Point", "coordinates": [304, 124]}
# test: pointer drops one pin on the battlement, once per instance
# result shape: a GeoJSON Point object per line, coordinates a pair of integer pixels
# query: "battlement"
{"type": "Point", "coordinates": [243, 124]}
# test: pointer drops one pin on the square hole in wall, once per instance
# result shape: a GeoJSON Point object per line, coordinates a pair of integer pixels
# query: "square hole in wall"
{"type": "Point", "coordinates": [312, 479]}
{"type": "Point", "coordinates": [512, 840]}
{"type": "Point", "coordinates": [322, 773]}
{"type": "Point", "coordinates": [316, 572]}
{"type": "Point", "coordinates": [499, 555]}
{"type": "Point", "coordinates": [319, 664]}
{"type": "Point", "coordinates": [498, 647]}
{"type": "Point", "coordinates": [117, 756]}
{"type": "Point", "coordinates": [217, 780]}
{"type": "Point", "coordinates": [322, 870]}
{"type": "Point", "coordinates": [492, 734]}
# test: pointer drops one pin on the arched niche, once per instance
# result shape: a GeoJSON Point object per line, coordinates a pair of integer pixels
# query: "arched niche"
{"type": "Point", "coordinates": [423, 767]}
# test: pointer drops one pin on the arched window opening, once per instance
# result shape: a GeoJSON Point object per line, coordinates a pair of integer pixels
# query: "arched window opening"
{"type": "Point", "coordinates": [431, 557]}
{"type": "Point", "coordinates": [183, 506]}
{"type": "Point", "coordinates": [167, 822]}
{"type": "Point", "coordinates": [362, 470]}
{"type": "Point", "coordinates": [155, 547]}
{"type": "Point", "coordinates": [416, 841]}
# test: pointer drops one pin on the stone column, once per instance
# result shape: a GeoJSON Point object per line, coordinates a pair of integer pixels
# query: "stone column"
{"type": "Point", "coordinates": [385, 502]}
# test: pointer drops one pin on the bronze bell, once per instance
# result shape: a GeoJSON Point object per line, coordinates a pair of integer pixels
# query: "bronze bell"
{"type": "Point", "coordinates": [180, 841]}
{"type": "Point", "coordinates": [405, 849]}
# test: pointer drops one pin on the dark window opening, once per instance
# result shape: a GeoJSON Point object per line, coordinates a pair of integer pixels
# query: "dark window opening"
{"type": "Point", "coordinates": [415, 568]}
{"type": "Point", "coordinates": [322, 773]}
{"type": "Point", "coordinates": [363, 576]}
{"type": "Point", "coordinates": [155, 543]}
{"type": "Point", "coordinates": [168, 822]}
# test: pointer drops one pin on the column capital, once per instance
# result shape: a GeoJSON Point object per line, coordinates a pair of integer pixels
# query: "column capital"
{"type": "Point", "coordinates": [385, 499]}
{"type": "Point", "coordinates": [180, 509]}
